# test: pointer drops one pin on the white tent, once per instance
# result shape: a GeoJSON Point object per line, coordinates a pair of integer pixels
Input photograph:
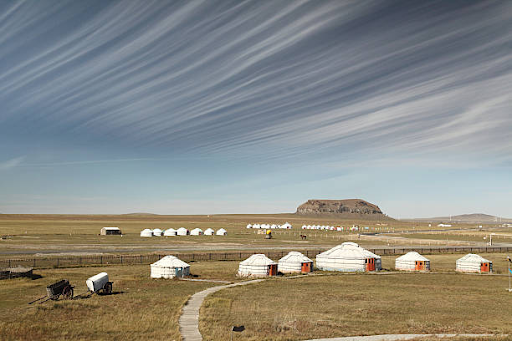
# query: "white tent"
{"type": "Point", "coordinates": [169, 267]}
{"type": "Point", "coordinates": [295, 262]}
{"type": "Point", "coordinates": [257, 265]}
{"type": "Point", "coordinates": [249, 226]}
{"type": "Point", "coordinates": [146, 233]}
{"type": "Point", "coordinates": [473, 263]}
{"type": "Point", "coordinates": [209, 232]}
{"type": "Point", "coordinates": [157, 232]}
{"type": "Point", "coordinates": [348, 257]}
{"type": "Point", "coordinates": [170, 232]}
{"type": "Point", "coordinates": [221, 232]}
{"type": "Point", "coordinates": [256, 226]}
{"type": "Point", "coordinates": [412, 261]}
{"type": "Point", "coordinates": [182, 231]}
{"type": "Point", "coordinates": [196, 232]}
{"type": "Point", "coordinates": [286, 225]}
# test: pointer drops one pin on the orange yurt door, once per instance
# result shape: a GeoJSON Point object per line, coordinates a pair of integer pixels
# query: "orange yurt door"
{"type": "Point", "coordinates": [484, 267]}
{"type": "Point", "coordinates": [420, 265]}
{"type": "Point", "coordinates": [272, 270]}
{"type": "Point", "coordinates": [370, 264]}
{"type": "Point", "coordinates": [306, 267]}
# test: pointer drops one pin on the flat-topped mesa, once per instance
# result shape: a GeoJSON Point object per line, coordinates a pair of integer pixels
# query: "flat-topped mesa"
{"type": "Point", "coordinates": [348, 207]}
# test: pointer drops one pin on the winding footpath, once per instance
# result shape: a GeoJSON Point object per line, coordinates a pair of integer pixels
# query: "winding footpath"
{"type": "Point", "coordinates": [189, 319]}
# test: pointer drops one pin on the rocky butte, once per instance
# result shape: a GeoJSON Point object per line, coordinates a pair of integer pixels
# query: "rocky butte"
{"type": "Point", "coordinates": [348, 208]}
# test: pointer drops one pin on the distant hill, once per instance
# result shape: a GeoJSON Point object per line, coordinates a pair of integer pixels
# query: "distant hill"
{"type": "Point", "coordinates": [469, 219]}
{"type": "Point", "coordinates": [142, 214]}
{"type": "Point", "coordinates": [347, 208]}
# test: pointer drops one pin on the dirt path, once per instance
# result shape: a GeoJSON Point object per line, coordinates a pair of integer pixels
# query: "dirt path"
{"type": "Point", "coordinates": [393, 337]}
{"type": "Point", "coordinates": [189, 319]}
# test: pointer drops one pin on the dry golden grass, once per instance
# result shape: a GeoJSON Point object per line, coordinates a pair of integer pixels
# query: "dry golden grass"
{"type": "Point", "coordinates": [360, 304]}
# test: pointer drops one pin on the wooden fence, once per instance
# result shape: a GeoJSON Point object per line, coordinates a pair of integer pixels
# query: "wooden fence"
{"type": "Point", "coordinates": [114, 259]}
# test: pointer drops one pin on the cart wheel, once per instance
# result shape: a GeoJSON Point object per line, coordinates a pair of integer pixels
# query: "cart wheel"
{"type": "Point", "coordinates": [67, 293]}
{"type": "Point", "coordinates": [108, 288]}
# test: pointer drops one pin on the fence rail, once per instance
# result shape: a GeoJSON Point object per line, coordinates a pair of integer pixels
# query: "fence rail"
{"type": "Point", "coordinates": [74, 261]}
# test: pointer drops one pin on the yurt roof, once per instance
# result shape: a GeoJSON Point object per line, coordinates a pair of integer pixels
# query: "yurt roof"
{"type": "Point", "coordinates": [413, 256]}
{"type": "Point", "coordinates": [197, 229]}
{"type": "Point", "coordinates": [471, 257]}
{"type": "Point", "coordinates": [170, 230]}
{"type": "Point", "coordinates": [209, 230]}
{"type": "Point", "coordinates": [221, 230]}
{"type": "Point", "coordinates": [171, 261]}
{"type": "Point", "coordinates": [348, 250]}
{"type": "Point", "coordinates": [157, 230]}
{"type": "Point", "coordinates": [182, 229]}
{"type": "Point", "coordinates": [295, 256]}
{"type": "Point", "coordinates": [258, 259]}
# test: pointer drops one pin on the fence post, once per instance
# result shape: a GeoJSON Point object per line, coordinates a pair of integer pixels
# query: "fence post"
{"type": "Point", "coordinates": [121, 258]}
{"type": "Point", "coordinates": [34, 265]}
{"type": "Point", "coordinates": [58, 262]}
{"type": "Point", "coordinates": [101, 259]}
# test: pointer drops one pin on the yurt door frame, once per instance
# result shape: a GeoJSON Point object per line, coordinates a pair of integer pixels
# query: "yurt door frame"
{"type": "Point", "coordinates": [420, 265]}
{"type": "Point", "coordinates": [272, 269]}
{"type": "Point", "coordinates": [370, 264]}
{"type": "Point", "coordinates": [178, 272]}
{"type": "Point", "coordinates": [306, 267]}
{"type": "Point", "coordinates": [484, 267]}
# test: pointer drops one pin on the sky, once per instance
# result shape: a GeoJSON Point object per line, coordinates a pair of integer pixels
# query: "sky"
{"type": "Point", "coordinates": [206, 107]}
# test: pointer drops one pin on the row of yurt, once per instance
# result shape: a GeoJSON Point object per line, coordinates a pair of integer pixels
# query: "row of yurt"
{"type": "Point", "coordinates": [286, 225]}
{"type": "Point", "coordinates": [169, 267]}
{"type": "Point", "coordinates": [348, 257]}
{"type": "Point", "coordinates": [182, 232]}
{"type": "Point", "coordinates": [322, 227]}
{"type": "Point", "coordinates": [259, 265]}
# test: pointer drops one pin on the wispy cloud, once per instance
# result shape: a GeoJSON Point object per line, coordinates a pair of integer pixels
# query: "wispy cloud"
{"type": "Point", "coordinates": [12, 163]}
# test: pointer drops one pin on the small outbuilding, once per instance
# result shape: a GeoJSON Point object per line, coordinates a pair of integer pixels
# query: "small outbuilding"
{"type": "Point", "coordinates": [196, 232]}
{"type": "Point", "coordinates": [348, 257]}
{"type": "Point", "coordinates": [473, 263]}
{"type": "Point", "coordinates": [170, 232]}
{"type": "Point", "coordinates": [169, 267]}
{"type": "Point", "coordinates": [257, 265]}
{"type": "Point", "coordinates": [412, 261]}
{"type": "Point", "coordinates": [209, 232]}
{"type": "Point", "coordinates": [110, 231]}
{"type": "Point", "coordinates": [295, 262]}
{"type": "Point", "coordinates": [146, 233]}
{"type": "Point", "coordinates": [221, 232]}
{"type": "Point", "coordinates": [182, 232]}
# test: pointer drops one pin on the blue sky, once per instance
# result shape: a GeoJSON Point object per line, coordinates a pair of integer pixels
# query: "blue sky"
{"type": "Point", "coordinates": [202, 107]}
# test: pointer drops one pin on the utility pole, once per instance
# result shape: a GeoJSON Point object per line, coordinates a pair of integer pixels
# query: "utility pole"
{"type": "Point", "coordinates": [509, 273]}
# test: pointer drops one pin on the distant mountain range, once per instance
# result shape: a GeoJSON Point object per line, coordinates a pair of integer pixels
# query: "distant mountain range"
{"type": "Point", "coordinates": [468, 218]}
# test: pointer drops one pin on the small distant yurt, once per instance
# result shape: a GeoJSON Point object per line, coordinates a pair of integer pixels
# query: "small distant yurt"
{"type": "Point", "coordinates": [209, 232]}
{"type": "Point", "coordinates": [221, 232]}
{"type": "Point", "coordinates": [295, 262]}
{"type": "Point", "coordinates": [348, 257]}
{"type": "Point", "coordinates": [473, 263]}
{"type": "Point", "coordinates": [170, 232]}
{"type": "Point", "coordinates": [249, 226]}
{"type": "Point", "coordinates": [196, 232]}
{"type": "Point", "coordinates": [182, 232]}
{"type": "Point", "coordinates": [257, 265]}
{"type": "Point", "coordinates": [157, 232]}
{"type": "Point", "coordinates": [169, 267]}
{"type": "Point", "coordinates": [146, 233]}
{"type": "Point", "coordinates": [412, 261]}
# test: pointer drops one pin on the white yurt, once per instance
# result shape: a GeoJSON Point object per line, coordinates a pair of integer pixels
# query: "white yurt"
{"type": "Point", "coordinates": [257, 265]}
{"type": "Point", "coordinates": [412, 261]}
{"type": "Point", "coordinates": [209, 232]}
{"type": "Point", "coordinates": [170, 232]}
{"type": "Point", "coordinates": [169, 267]}
{"type": "Point", "coordinates": [221, 232]}
{"type": "Point", "coordinates": [348, 257]}
{"type": "Point", "coordinates": [182, 232]}
{"type": "Point", "coordinates": [473, 263]}
{"type": "Point", "coordinates": [249, 226]}
{"type": "Point", "coordinates": [295, 262]}
{"type": "Point", "coordinates": [196, 232]}
{"type": "Point", "coordinates": [146, 233]}
{"type": "Point", "coordinates": [157, 232]}
{"type": "Point", "coordinates": [256, 226]}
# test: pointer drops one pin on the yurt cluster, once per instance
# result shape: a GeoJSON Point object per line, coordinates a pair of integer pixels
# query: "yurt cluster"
{"type": "Point", "coordinates": [347, 257]}
{"type": "Point", "coordinates": [331, 228]}
{"type": "Point", "coordinates": [182, 232]}
{"type": "Point", "coordinates": [285, 226]}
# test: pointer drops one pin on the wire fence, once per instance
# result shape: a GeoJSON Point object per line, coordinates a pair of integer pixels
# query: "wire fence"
{"type": "Point", "coordinates": [114, 259]}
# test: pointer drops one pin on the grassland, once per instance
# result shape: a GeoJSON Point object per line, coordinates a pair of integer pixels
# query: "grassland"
{"type": "Point", "coordinates": [337, 305]}
{"type": "Point", "coordinates": [31, 234]}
